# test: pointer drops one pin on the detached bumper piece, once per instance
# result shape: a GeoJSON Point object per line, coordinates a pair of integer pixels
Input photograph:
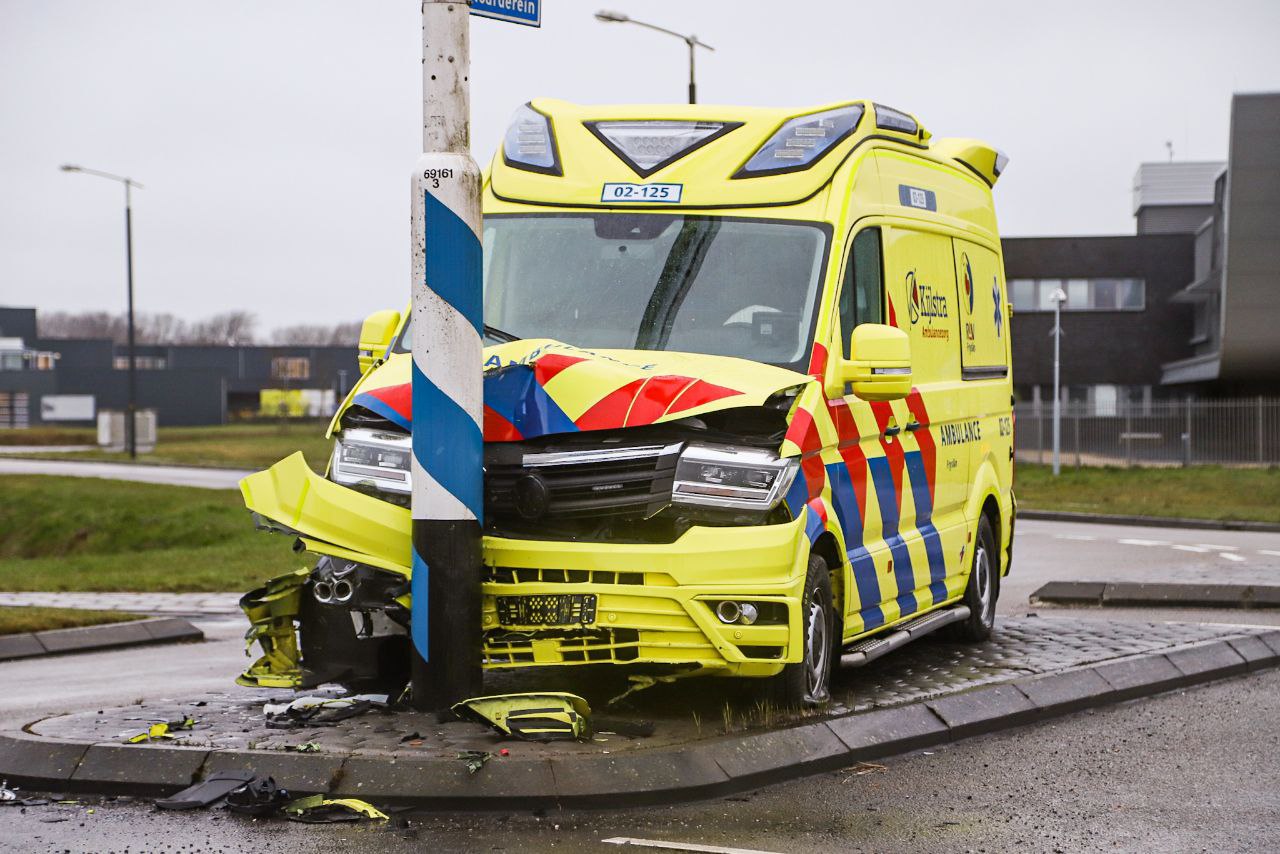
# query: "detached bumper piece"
{"type": "Point", "coordinates": [272, 611]}
{"type": "Point", "coordinates": [549, 716]}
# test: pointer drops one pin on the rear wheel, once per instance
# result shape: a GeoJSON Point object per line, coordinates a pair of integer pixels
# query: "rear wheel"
{"type": "Point", "coordinates": [808, 682]}
{"type": "Point", "coordinates": [983, 588]}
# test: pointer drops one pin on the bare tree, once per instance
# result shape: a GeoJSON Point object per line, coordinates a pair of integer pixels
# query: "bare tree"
{"type": "Point", "coordinates": [318, 335]}
{"type": "Point", "coordinates": [229, 328]}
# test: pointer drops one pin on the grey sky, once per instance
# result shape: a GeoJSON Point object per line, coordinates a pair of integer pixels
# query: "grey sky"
{"type": "Point", "coordinates": [276, 138]}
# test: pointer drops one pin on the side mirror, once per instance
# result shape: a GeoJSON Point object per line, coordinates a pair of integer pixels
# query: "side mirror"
{"type": "Point", "coordinates": [881, 365]}
{"type": "Point", "coordinates": [376, 334]}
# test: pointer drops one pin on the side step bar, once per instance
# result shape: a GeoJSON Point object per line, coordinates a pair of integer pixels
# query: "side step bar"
{"type": "Point", "coordinates": [867, 651]}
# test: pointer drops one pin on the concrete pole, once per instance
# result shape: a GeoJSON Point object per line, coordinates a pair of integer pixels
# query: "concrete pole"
{"type": "Point", "coordinates": [131, 413]}
{"type": "Point", "coordinates": [1057, 374]}
{"type": "Point", "coordinates": [447, 386]}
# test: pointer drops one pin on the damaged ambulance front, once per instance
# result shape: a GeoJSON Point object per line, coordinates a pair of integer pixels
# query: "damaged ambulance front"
{"type": "Point", "coordinates": [650, 375]}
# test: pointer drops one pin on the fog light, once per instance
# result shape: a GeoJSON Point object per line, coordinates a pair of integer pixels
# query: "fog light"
{"type": "Point", "coordinates": [728, 612]}
{"type": "Point", "coordinates": [748, 613]}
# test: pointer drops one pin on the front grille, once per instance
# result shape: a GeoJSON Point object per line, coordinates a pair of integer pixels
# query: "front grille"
{"type": "Point", "coordinates": [523, 485]}
{"type": "Point", "coordinates": [526, 575]}
{"type": "Point", "coordinates": [574, 647]}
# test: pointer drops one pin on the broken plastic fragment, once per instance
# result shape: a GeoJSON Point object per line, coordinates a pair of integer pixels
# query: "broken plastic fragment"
{"type": "Point", "coordinates": [542, 716]}
{"type": "Point", "coordinates": [218, 785]}
{"type": "Point", "coordinates": [317, 809]}
{"type": "Point", "coordinates": [474, 759]}
{"type": "Point", "coordinates": [260, 797]}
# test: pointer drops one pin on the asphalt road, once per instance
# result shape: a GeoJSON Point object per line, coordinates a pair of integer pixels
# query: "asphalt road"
{"type": "Point", "coordinates": [1187, 771]}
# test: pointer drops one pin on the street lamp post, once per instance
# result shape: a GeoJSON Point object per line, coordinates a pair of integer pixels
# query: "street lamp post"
{"type": "Point", "coordinates": [690, 40]}
{"type": "Point", "coordinates": [1058, 297]}
{"type": "Point", "coordinates": [131, 414]}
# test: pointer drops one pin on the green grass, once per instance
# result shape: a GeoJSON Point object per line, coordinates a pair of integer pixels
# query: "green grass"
{"type": "Point", "coordinates": [1200, 492]}
{"type": "Point", "coordinates": [239, 446]}
{"type": "Point", "coordinates": [62, 533]}
{"type": "Point", "coordinates": [14, 620]}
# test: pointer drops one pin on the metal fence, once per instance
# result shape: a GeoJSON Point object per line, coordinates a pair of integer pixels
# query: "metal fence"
{"type": "Point", "coordinates": [1241, 432]}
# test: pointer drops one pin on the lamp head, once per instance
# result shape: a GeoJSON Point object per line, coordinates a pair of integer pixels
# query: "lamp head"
{"type": "Point", "coordinates": [611, 17]}
{"type": "Point", "coordinates": [67, 167]}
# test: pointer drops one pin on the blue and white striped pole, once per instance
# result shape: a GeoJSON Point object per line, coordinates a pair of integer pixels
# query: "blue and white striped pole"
{"type": "Point", "coordinates": [447, 383]}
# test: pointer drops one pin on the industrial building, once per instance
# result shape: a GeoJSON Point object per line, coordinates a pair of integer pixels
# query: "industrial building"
{"type": "Point", "coordinates": [1189, 306]}
{"type": "Point", "coordinates": [69, 380]}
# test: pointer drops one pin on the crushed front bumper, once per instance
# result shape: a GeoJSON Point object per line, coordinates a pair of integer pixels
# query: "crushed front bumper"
{"type": "Point", "coordinates": [654, 604]}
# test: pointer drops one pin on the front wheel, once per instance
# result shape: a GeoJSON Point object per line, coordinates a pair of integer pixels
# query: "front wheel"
{"type": "Point", "coordinates": [983, 588]}
{"type": "Point", "coordinates": [808, 682]}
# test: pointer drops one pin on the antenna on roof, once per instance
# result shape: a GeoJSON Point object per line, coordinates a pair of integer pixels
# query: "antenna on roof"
{"type": "Point", "coordinates": [1168, 143]}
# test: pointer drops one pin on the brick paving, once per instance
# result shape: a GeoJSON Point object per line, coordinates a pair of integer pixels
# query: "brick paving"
{"type": "Point", "coordinates": [682, 712]}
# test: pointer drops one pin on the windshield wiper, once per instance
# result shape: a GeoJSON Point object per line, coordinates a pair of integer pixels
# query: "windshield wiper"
{"type": "Point", "coordinates": [495, 332]}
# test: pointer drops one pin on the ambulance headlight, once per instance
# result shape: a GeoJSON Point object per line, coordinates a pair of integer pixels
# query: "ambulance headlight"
{"type": "Point", "coordinates": [802, 142]}
{"type": "Point", "coordinates": [372, 460]}
{"type": "Point", "coordinates": [530, 143]}
{"type": "Point", "coordinates": [738, 478]}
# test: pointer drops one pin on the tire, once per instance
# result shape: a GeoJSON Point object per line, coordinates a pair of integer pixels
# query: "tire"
{"type": "Point", "coordinates": [983, 589]}
{"type": "Point", "coordinates": [808, 682]}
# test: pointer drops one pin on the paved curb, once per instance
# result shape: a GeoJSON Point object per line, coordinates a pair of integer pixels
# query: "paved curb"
{"type": "Point", "coordinates": [665, 775]}
{"type": "Point", "coordinates": [1129, 594]}
{"type": "Point", "coordinates": [91, 638]}
{"type": "Point", "coordinates": [1148, 521]}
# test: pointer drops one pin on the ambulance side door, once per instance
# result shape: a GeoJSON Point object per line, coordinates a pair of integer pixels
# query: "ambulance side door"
{"type": "Point", "coordinates": [919, 467]}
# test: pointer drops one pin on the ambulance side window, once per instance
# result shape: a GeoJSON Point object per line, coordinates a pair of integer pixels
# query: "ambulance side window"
{"type": "Point", "coordinates": [862, 294]}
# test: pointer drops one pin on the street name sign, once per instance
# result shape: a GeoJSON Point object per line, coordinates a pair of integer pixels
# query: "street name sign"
{"type": "Point", "coordinates": [525, 12]}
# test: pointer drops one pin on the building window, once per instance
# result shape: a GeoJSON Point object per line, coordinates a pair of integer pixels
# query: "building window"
{"type": "Point", "coordinates": [291, 368]}
{"type": "Point", "coordinates": [142, 363]}
{"type": "Point", "coordinates": [1082, 294]}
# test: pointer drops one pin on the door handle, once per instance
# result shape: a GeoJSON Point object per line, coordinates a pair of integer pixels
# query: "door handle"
{"type": "Point", "coordinates": [913, 426]}
{"type": "Point", "coordinates": [890, 432]}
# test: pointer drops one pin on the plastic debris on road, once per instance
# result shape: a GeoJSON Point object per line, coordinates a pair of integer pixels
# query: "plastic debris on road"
{"type": "Point", "coordinates": [474, 759]}
{"type": "Point", "coordinates": [317, 809]}
{"type": "Point", "coordinates": [164, 729]}
{"type": "Point", "coordinates": [258, 797]}
{"type": "Point", "coordinates": [539, 716]}
{"type": "Point", "coordinates": [218, 785]}
{"type": "Point", "coordinates": [320, 710]}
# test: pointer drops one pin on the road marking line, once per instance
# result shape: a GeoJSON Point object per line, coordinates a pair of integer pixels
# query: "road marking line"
{"type": "Point", "coordinates": [1271, 552]}
{"type": "Point", "coordinates": [1211, 547]}
{"type": "Point", "coordinates": [1230, 556]}
{"type": "Point", "coordinates": [1074, 537]}
{"type": "Point", "coordinates": [1143, 542]}
{"type": "Point", "coordinates": [681, 846]}
{"type": "Point", "coordinates": [1198, 549]}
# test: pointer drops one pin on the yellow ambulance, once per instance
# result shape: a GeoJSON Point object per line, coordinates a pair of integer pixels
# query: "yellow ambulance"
{"type": "Point", "coordinates": [747, 408]}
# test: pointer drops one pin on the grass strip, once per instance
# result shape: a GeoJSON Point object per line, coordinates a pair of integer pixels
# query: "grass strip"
{"type": "Point", "coordinates": [17, 619]}
{"type": "Point", "coordinates": [1198, 492]}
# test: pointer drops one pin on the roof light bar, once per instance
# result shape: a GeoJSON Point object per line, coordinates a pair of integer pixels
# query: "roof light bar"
{"type": "Point", "coordinates": [530, 143]}
{"type": "Point", "coordinates": [887, 118]}
{"type": "Point", "coordinates": [647, 146]}
{"type": "Point", "coordinates": [802, 142]}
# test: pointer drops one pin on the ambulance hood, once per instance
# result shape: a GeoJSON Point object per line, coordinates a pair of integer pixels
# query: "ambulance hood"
{"type": "Point", "coordinates": [541, 387]}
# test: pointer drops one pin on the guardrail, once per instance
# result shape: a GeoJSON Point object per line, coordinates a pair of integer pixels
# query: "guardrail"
{"type": "Point", "coordinates": [1238, 432]}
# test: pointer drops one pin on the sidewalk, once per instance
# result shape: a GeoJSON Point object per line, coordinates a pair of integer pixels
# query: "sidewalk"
{"type": "Point", "coordinates": [205, 478]}
{"type": "Point", "coordinates": [705, 742]}
{"type": "Point", "coordinates": [201, 604]}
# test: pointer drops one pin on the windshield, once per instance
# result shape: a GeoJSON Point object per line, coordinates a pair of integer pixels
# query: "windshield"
{"type": "Point", "coordinates": [701, 284]}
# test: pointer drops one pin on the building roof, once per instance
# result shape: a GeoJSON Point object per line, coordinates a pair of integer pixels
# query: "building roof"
{"type": "Point", "coordinates": [1182, 183]}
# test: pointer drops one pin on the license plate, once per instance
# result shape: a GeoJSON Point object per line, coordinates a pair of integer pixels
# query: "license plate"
{"type": "Point", "coordinates": [644, 193]}
{"type": "Point", "coordinates": [553, 609]}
